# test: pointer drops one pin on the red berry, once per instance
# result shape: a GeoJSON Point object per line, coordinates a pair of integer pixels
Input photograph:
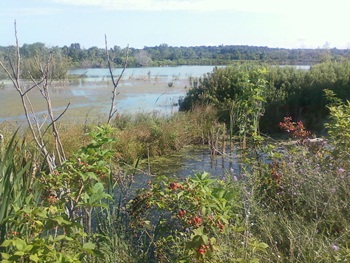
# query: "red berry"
{"type": "Point", "coordinates": [173, 186]}
{"type": "Point", "coordinates": [197, 220]}
{"type": "Point", "coordinates": [201, 251]}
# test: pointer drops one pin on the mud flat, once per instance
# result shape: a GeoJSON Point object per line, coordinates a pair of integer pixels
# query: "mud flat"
{"type": "Point", "coordinates": [92, 99]}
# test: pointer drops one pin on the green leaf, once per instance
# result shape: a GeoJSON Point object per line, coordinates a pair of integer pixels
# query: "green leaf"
{"type": "Point", "coordinates": [179, 194]}
{"type": "Point", "coordinates": [5, 256]}
{"type": "Point", "coordinates": [6, 243]}
{"type": "Point", "coordinates": [198, 231]}
{"type": "Point", "coordinates": [34, 258]}
{"type": "Point", "coordinates": [205, 239]}
{"type": "Point", "coordinates": [218, 192]}
{"type": "Point", "coordinates": [60, 220]}
{"type": "Point", "coordinates": [63, 237]}
{"type": "Point", "coordinates": [19, 253]}
{"type": "Point", "coordinates": [89, 245]}
{"type": "Point", "coordinates": [28, 248]}
{"type": "Point", "coordinates": [88, 175]}
{"type": "Point", "coordinates": [38, 223]}
{"type": "Point", "coordinates": [20, 244]}
{"type": "Point", "coordinates": [98, 187]}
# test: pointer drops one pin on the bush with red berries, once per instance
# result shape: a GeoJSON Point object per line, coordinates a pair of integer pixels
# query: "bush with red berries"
{"type": "Point", "coordinates": [197, 218]}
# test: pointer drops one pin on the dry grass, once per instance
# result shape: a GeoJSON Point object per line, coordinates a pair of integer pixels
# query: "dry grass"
{"type": "Point", "coordinates": [146, 135]}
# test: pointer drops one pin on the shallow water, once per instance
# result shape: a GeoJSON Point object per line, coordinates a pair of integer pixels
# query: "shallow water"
{"type": "Point", "coordinates": [187, 162]}
{"type": "Point", "coordinates": [145, 73]}
{"type": "Point", "coordinates": [140, 90]}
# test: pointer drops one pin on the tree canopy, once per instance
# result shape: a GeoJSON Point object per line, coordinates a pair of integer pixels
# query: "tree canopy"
{"type": "Point", "coordinates": [165, 55]}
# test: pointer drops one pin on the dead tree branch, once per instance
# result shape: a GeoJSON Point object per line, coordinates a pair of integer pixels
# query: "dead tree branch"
{"type": "Point", "coordinates": [33, 121]}
{"type": "Point", "coordinates": [112, 110]}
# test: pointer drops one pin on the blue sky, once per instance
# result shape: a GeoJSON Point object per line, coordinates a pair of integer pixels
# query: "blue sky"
{"type": "Point", "coordinates": [139, 23]}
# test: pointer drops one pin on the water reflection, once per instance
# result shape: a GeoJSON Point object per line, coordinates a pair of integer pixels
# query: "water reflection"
{"type": "Point", "coordinates": [145, 73]}
{"type": "Point", "coordinates": [191, 160]}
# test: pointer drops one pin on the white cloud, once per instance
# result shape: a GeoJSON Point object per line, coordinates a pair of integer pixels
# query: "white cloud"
{"type": "Point", "coordinates": [149, 5]}
{"type": "Point", "coordinates": [31, 11]}
{"type": "Point", "coordinates": [256, 6]}
{"type": "Point", "coordinates": [281, 7]}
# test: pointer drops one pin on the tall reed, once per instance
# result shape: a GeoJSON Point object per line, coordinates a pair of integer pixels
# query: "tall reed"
{"type": "Point", "coordinates": [18, 170]}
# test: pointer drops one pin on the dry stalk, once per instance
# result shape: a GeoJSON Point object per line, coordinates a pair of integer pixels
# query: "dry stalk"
{"type": "Point", "coordinates": [112, 110]}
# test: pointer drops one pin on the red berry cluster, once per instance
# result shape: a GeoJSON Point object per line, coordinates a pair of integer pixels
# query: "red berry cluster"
{"type": "Point", "coordinates": [175, 186]}
{"type": "Point", "coordinates": [203, 249]}
{"type": "Point", "coordinates": [83, 164]}
{"type": "Point", "coordinates": [52, 198]}
{"type": "Point", "coordinates": [182, 213]}
{"type": "Point", "coordinates": [196, 221]}
{"type": "Point", "coordinates": [221, 226]}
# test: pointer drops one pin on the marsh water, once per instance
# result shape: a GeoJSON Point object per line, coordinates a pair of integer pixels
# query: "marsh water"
{"type": "Point", "coordinates": [149, 90]}
{"type": "Point", "coordinates": [89, 92]}
{"type": "Point", "coordinates": [194, 159]}
{"type": "Point", "coordinates": [155, 89]}
{"type": "Point", "coordinates": [185, 163]}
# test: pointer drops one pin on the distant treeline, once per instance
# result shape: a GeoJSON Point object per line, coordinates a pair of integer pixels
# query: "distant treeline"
{"type": "Point", "coordinates": [165, 55]}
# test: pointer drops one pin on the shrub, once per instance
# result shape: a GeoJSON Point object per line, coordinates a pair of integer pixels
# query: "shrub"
{"type": "Point", "coordinates": [196, 220]}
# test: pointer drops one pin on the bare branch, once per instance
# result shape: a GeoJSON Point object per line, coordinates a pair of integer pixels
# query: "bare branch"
{"type": "Point", "coordinates": [18, 54]}
{"type": "Point", "coordinates": [36, 84]}
{"type": "Point", "coordinates": [12, 68]}
{"type": "Point", "coordinates": [9, 75]}
{"type": "Point", "coordinates": [109, 62]}
{"type": "Point", "coordinates": [55, 120]}
{"type": "Point", "coordinates": [125, 64]}
{"type": "Point", "coordinates": [64, 111]}
{"type": "Point", "coordinates": [33, 122]}
{"type": "Point", "coordinates": [112, 111]}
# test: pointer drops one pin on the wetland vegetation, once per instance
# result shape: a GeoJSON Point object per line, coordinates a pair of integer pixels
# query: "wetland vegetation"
{"type": "Point", "coordinates": [87, 191]}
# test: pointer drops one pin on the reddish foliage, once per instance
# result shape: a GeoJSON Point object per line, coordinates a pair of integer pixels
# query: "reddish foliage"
{"type": "Point", "coordinates": [275, 171]}
{"type": "Point", "coordinates": [296, 129]}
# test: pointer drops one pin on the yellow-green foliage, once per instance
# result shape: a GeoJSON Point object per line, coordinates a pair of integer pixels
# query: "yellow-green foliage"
{"type": "Point", "coordinates": [339, 131]}
{"type": "Point", "coordinates": [153, 135]}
